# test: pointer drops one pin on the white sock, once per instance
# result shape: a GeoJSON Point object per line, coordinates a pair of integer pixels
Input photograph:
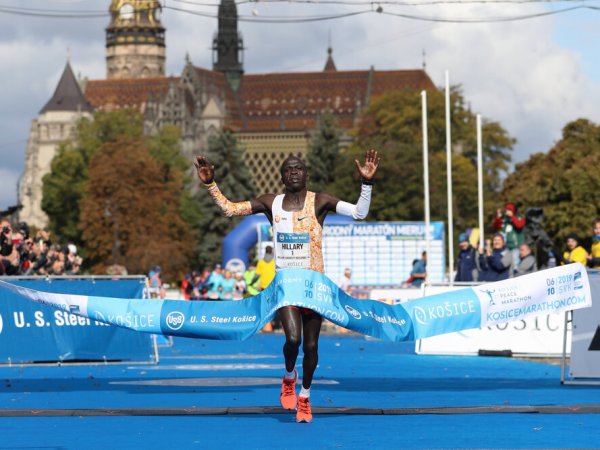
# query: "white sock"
{"type": "Point", "coordinates": [290, 375]}
{"type": "Point", "coordinates": [304, 392]}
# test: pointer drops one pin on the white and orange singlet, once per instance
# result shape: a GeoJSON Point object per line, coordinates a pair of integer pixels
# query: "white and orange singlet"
{"type": "Point", "coordinates": [297, 236]}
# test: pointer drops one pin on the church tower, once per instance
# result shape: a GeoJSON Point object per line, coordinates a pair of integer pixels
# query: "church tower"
{"type": "Point", "coordinates": [135, 40]}
{"type": "Point", "coordinates": [54, 125]}
{"type": "Point", "coordinates": [228, 45]}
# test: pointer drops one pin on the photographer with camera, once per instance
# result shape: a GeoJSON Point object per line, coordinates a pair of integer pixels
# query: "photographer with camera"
{"type": "Point", "coordinates": [43, 257]}
{"type": "Point", "coordinates": [6, 243]}
{"type": "Point", "coordinates": [26, 256]}
{"type": "Point", "coordinates": [6, 247]}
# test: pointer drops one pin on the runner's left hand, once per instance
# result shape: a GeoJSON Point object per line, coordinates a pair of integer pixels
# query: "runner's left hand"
{"type": "Point", "coordinates": [368, 169]}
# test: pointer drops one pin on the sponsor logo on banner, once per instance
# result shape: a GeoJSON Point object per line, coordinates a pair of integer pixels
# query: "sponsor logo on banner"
{"type": "Point", "coordinates": [505, 295]}
{"type": "Point", "coordinates": [536, 307]}
{"type": "Point", "coordinates": [235, 265]}
{"type": "Point", "coordinates": [353, 312]}
{"type": "Point", "coordinates": [489, 293]}
{"type": "Point", "coordinates": [577, 281]}
{"type": "Point", "coordinates": [74, 309]}
{"type": "Point", "coordinates": [175, 320]}
{"type": "Point", "coordinates": [1, 324]}
{"type": "Point", "coordinates": [129, 320]}
{"type": "Point", "coordinates": [424, 315]}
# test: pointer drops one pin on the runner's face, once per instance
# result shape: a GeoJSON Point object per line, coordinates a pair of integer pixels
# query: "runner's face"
{"type": "Point", "coordinates": [294, 174]}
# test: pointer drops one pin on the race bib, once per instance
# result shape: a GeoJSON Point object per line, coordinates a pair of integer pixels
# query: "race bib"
{"type": "Point", "coordinates": [292, 250]}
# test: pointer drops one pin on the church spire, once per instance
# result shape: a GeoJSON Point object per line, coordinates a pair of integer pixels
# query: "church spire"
{"type": "Point", "coordinates": [228, 45]}
{"type": "Point", "coordinates": [330, 65]}
{"type": "Point", "coordinates": [68, 95]}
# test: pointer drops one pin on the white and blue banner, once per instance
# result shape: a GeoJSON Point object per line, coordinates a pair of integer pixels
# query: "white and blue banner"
{"type": "Point", "coordinates": [31, 332]}
{"type": "Point", "coordinates": [553, 290]}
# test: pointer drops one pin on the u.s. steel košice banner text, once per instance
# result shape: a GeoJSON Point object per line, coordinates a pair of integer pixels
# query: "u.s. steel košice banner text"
{"type": "Point", "coordinates": [553, 290]}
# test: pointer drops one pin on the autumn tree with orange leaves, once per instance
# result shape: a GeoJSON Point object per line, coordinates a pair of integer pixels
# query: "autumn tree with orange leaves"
{"type": "Point", "coordinates": [131, 211]}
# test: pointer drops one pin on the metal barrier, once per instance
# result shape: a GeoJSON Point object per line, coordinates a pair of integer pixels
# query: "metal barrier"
{"type": "Point", "coordinates": [584, 365]}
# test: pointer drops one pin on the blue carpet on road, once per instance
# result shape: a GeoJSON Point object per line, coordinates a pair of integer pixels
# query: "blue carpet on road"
{"type": "Point", "coordinates": [352, 372]}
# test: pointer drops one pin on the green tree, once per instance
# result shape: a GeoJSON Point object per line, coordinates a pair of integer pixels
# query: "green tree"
{"type": "Point", "coordinates": [323, 152]}
{"type": "Point", "coordinates": [129, 215]}
{"type": "Point", "coordinates": [565, 181]}
{"type": "Point", "coordinates": [64, 186]}
{"type": "Point", "coordinates": [392, 125]}
{"type": "Point", "coordinates": [234, 181]}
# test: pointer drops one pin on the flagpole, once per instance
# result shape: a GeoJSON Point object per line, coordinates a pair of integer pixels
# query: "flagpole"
{"type": "Point", "coordinates": [449, 184]}
{"type": "Point", "coordinates": [426, 171]}
{"type": "Point", "coordinates": [480, 180]}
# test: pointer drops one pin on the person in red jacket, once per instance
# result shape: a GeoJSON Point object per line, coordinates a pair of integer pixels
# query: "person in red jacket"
{"type": "Point", "coordinates": [511, 225]}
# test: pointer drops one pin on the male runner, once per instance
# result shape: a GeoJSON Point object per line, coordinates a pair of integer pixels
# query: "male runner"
{"type": "Point", "coordinates": [297, 216]}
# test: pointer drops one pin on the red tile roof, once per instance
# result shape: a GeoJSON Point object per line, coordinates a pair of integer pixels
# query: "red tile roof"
{"type": "Point", "coordinates": [127, 93]}
{"type": "Point", "coordinates": [292, 101]}
{"type": "Point", "coordinates": [268, 102]}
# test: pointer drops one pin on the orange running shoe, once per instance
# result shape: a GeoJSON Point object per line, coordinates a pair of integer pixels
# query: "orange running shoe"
{"type": "Point", "coordinates": [304, 413]}
{"type": "Point", "coordinates": [288, 397]}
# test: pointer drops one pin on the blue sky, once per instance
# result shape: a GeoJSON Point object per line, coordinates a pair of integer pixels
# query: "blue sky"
{"type": "Point", "coordinates": [578, 31]}
{"type": "Point", "coordinates": [532, 76]}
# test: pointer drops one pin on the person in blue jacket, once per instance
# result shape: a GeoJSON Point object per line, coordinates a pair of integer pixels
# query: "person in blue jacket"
{"type": "Point", "coordinates": [467, 269]}
{"type": "Point", "coordinates": [496, 264]}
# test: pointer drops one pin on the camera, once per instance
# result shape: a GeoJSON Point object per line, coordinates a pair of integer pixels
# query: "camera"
{"type": "Point", "coordinates": [4, 240]}
{"type": "Point", "coordinates": [23, 229]}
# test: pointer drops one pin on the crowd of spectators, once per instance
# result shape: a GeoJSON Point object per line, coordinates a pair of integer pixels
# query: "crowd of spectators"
{"type": "Point", "coordinates": [519, 246]}
{"type": "Point", "coordinates": [25, 255]}
{"type": "Point", "coordinates": [224, 284]}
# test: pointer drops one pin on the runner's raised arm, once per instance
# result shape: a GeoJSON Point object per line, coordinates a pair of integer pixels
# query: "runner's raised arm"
{"type": "Point", "coordinates": [206, 174]}
{"type": "Point", "coordinates": [329, 203]}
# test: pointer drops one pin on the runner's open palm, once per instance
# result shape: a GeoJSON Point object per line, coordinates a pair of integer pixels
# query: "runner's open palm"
{"type": "Point", "coordinates": [206, 171]}
{"type": "Point", "coordinates": [368, 169]}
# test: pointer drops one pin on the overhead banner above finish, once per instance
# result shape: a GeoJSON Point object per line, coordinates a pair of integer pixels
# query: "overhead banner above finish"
{"type": "Point", "coordinates": [558, 289]}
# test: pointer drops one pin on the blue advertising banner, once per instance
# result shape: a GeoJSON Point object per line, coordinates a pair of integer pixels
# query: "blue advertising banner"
{"type": "Point", "coordinates": [31, 332]}
{"type": "Point", "coordinates": [378, 253]}
{"type": "Point", "coordinates": [553, 290]}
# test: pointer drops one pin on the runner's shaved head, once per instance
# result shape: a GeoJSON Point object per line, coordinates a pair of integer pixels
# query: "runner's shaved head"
{"type": "Point", "coordinates": [290, 159]}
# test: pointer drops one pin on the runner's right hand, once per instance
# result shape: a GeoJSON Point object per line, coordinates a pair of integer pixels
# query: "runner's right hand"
{"type": "Point", "coordinates": [205, 170]}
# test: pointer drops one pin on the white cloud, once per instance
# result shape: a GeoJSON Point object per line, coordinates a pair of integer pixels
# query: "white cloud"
{"type": "Point", "coordinates": [515, 73]}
